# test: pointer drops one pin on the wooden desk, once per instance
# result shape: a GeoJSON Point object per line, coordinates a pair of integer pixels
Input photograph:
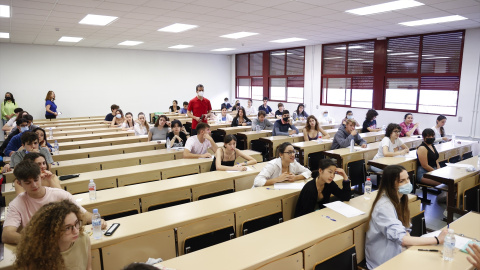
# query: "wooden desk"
{"type": "Point", "coordinates": [307, 148]}
{"type": "Point", "coordinates": [233, 130]}
{"type": "Point", "coordinates": [247, 137]}
{"type": "Point", "coordinates": [57, 132]}
{"type": "Point", "coordinates": [467, 224]}
{"type": "Point", "coordinates": [273, 142]}
{"type": "Point", "coordinates": [68, 120]}
{"type": "Point", "coordinates": [333, 131]}
{"type": "Point", "coordinates": [69, 128]}
{"type": "Point", "coordinates": [101, 142]}
{"type": "Point", "coordinates": [88, 123]}
{"type": "Point", "coordinates": [94, 136]}
{"type": "Point", "coordinates": [410, 163]}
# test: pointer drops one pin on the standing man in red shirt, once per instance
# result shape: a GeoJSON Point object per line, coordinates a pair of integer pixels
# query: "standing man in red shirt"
{"type": "Point", "coordinates": [199, 108]}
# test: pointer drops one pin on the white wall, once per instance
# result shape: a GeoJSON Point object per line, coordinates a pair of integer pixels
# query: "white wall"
{"type": "Point", "coordinates": [467, 108]}
{"type": "Point", "coordinates": [87, 81]}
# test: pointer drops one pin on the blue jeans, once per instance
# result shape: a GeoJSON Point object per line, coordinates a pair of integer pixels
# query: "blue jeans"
{"type": "Point", "coordinates": [420, 172]}
{"type": "Point", "coordinates": [375, 169]}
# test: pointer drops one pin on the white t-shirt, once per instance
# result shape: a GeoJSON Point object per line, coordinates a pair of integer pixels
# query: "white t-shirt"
{"type": "Point", "coordinates": [196, 147]}
{"type": "Point", "coordinates": [12, 122]}
{"type": "Point", "coordinates": [438, 134]}
{"type": "Point", "coordinates": [391, 146]}
{"type": "Point", "coordinates": [228, 118]}
{"type": "Point", "coordinates": [140, 129]}
{"type": "Point", "coordinates": [250, 111]}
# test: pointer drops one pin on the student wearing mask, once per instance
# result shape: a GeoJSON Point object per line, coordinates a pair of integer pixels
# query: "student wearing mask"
{"type": "Point", "coordinates": [197, 146]}
{"type": "Point", "coordinates": [185, 108]}
{"type": "Point", "coordinates": [109, 117]}
{"type": "Point", "coordinates": [439, 129]}
{"type": "Point", "coordinates": [389, 220]}
{"type": "Point", "coordinates": [160, 129]}
{"type": "Point", "coordinates": [224, 116]}
{"type": "Point", "coordinates": [427, 157]}
{"type": "Point", "coordinates": [408, 128]}
{"type": "Point", "coordinates": [391, 145]}
{"type": "Point", "coordinates": [283, 168]}
{"type": "Point", "coordinates": [199, 108]}
{"type": "Point", "coordinates": [250, 110]}
{"type": "Point", "coordinates": [62, 237]}
{"type": "Point", "coordinates": [345, 134]}
{"type": "Point", "coordinates": [326, 119]}
{"type": "Point", "coordinates": [225, 157]}
{"type": "Point", "coordinates": [370, 123]}
{"type": "Point", "coordinates": [241, 119]}
{"type": "Point", "coordinates": [10, 123]}
{"type": "Point", "coordinates": [119, 119]}
{"type": "Point", "coordinates": [29, 142]}
{"type": "Point", "coordinates": [312, 130]}
{"type": "Point", "coordinates": [50, 106]}
{"type": "Point", "coordinates": [22, 114]}
{"type": "Point", "coordinates": [226, 104]}
{"type": "Point", "coordinates": [8, 107]}
{"type": "Point", "coordinates": [349, 115]}
{"type": "Point", "coordinates": [128, 124]}
{"type": "Point", "coordinates": [282, 126]}
{"type": "Point", "coordinates": [279, 112]}
{"type": "Point", "coordinates": [174, 108]}
{"type": "Point", "coordinates": [42, 139]}
{"type": "Point", "coordinates": [47, 177]}
{"type": "Point", "coordinates": [261, 122]}
{"type": "Point", "coordinates": [236, 105]}
{"type": "Point", "coordinates": [317, 192]}
{"type": "Point", "coordinates": [25, 205]}
{"type": "Point", "coordinates": [177, 137]}
{"type": "Point", "coordinates": [264, 107]}
{"type": "Point", "coordinates": [16, 142]}
{"type": "Point", "coordinates": [141, 126]}
{"type": "Point", "coordinates": [300, 112]}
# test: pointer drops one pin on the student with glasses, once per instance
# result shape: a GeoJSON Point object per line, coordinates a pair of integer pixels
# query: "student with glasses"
{"type": "Point", "coordinates": [283, 168]}
{"type": "Point", "coordinates": [62, 237]}
{"type": "Point", "coordinates": [391, 145]}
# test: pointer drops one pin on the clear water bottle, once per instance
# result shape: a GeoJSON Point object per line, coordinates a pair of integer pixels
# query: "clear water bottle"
{"type": "Point", "coordinates": [168, 143]}
{"type": "Point", "coordinates": [258, 128]}
{"type": "Point", "coordinates": [368, 188]}
{"type": "Point", "coordinates": [92, 190]}
{"type": "Point", "coordinates": [352, 146]}
{"type": "Point", "coordinates": [453, 138]}
{"type": "Point", "coordinates": [56, 147]}
{"type": "Point", "coordinates": [449, 245]}
{"type": "Point", "coordinates": [50, 133]}
{"type": "Point", "coordinates": [96, 225]}
{"type": "Point", "coordinates": [478, 162]}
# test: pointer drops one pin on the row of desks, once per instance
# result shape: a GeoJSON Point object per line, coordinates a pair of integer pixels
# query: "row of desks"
{"type": "Point", "coordinates": [70, 119]}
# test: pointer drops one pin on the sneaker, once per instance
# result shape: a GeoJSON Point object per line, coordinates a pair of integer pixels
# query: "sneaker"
{"type": "Point", "coordinates": [442, 197]}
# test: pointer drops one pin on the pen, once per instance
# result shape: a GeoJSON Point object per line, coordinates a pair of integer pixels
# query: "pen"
{"type": "Point", "coordinates": [429, 250]}
{"type": "Point", "coordinates": [329, 218]}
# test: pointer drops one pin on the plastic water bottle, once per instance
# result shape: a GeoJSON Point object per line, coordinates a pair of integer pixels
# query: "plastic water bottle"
{"type": "Point", "coordinates": [258, 128]}
{"type": "Point", "coordinates": [449, 245]}
{"type": "Point", "coordinates": [319, 139]}
{"type": "Point", "coordinates": [478, 162]}
{"type": "Point", "coordinates": [453, 139]}
{"type": "Point", "coordinates": [352, 146]}
{"type": "Point", "coordinates": [56, 147]}
{"type": "Point", "coordinates": [96, 225]}
{"type": "Point", "coordinates": [368, 188]}
{"type": "Point", "coordinates": [168, 143]}
{"type": "Point", "coordinates": [92, 190]}
{"type": "Point", "coordinates": [50, 133]}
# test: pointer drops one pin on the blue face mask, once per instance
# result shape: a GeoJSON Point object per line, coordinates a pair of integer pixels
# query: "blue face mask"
{"type": "Point", "coordinates": [325, 114]}
{"type": "Point", "coordinates": [119, 116]}
{"type": "Point", "coordinates": [349, 116]}
{"type": "Point", "coordinates": [406, 189]}
{"type": "Point", "coordinates": [22, 129]}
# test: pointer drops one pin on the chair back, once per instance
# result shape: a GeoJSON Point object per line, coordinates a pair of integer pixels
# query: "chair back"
{"type": "Point", "coordinates": [345, 260]}
{"type": "Point", "coordinates": [418, 225]}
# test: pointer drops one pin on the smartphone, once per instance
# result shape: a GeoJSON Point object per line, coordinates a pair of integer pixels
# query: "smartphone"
{"type": "Point", "coordinates": [112, 229]}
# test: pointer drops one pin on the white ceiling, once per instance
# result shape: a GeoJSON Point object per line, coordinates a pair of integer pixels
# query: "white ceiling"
{"type": "Point", "coordinates": [318, 21]}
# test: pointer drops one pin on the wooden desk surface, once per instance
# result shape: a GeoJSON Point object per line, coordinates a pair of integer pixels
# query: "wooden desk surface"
{"type": "Point", "coordinates": [67, 128]}
{"type": "Point", "coordinates": [234, 130]}
{"type": "Point", "coordinates": [101, 142]}
{"type": "Point", "coordinates": [88, 123]}
{"type": "Point", "coordinates": [454, 173]}
{"type": "Point", "coordinates": [467, 225]}
{"type": "Point", "coordinates": [57, 132]}
{"type": "Point", "coordinates": [93, 136]}
{"type": "Point", "coordinates": [248, 136]}
{"type": "Point", "coordinates": [306, 148]}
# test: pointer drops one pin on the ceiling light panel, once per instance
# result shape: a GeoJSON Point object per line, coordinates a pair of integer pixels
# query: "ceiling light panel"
{"type": "Point", "coordinates": [180, 46]}
{"type": "Point", "coordinates": [4, 35]}
{"type": "Point", "coordinates": [223, 49]}
{"type": "Point", "coordinates": [70, 39]}
{"type": "Point", "coordinates": [4, 11]}
{"type": "Point", "coordinates": [239, 35]}
{"type": "Point", "coordinates": [130, 43]}
{"type": "Point", "coordinates": [177, 28]}
{"type": "Point", "coordinates": [435, 20]}
{"type": "Point", "coordinates": [385, 7]}
{"type": "Point", "coordinates": [101, 20]}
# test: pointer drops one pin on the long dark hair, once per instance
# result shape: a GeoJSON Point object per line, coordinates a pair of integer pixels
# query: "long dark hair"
{"type": "Point", "coordinates": [281, 148]}
{"type": "Point", "coordinates": [228, 139]}
{"type": "Point", "coordinates": [241, 108]}
{"type": "Point", "coordinates": [133, 121]}
{"type": "Point", "coordinates": [298, 108]}
{"type": "Point", "coordinates": [44, 135]}
{"type": "Point", "coordinates": [390, 128]}
{"type": "Point", "coordinates": [442, 130]}
{"type": "Point", "coordinates": [391, 175]}
{"type": "Point", "coordinates": [5, 100]}
{"type": "Point", "coordinates": [307, 125]}
{"type": "Point", "coordinates": [158, 120]}
{"type": "Point", "coordinates": [371, 114]}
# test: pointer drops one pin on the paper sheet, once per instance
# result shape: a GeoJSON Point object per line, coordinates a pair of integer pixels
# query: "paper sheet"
{"type": "Point", "coordinates": [460, 241]}
{"type": "Point", "coordinates": [344, 209]}
{"type": "Point", "coordinates": [248, 169]}
{"type": "Point", "coordinates": [288, 185]}
{"type": "Point", "coordinates": [456, 165]}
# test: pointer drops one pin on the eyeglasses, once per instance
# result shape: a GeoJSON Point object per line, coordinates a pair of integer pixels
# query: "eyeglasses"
{"type": "Point", "coordinates": [290, 153]}
{"type": "Point", "coordinates": [396, 131]}
{"type": "Point", "coordinates": [69, 228]}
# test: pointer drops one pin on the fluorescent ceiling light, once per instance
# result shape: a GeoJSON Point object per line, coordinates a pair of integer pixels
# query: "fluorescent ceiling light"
{"type": "Point", "coordinates": [286, 40]}
{"type": "Point", "coordinates": [130, 43]}
{"type": "Point", "coordinates": [400, 53]}
{"type": "Point", "coordinates": [223, 49]}
{"type": "Point", "coordinates": [180, 46]}
{"type": "Point", "coordinates": [239, 35]}
{"type": "Point", "coordinates": [435, 20]}
{"type": "Point", "coordinates": [177, 27]}
{"type": "Point", "coordinates": [281, 53]}
{"type": "Point", "coordinates": [70, 39]}
{"type": "Point", "coordinates": [369, 61]}
{"type": "Point", "coordinates": [356, 59]}
{"type": "Point", "coordinates": [338, 57]}
{"type": "Point", "coordinates": [413, 56]}
{"type": "Point", "coordinates": [437, 57]}
{"type": "Point", "coordinates": [395, 5]}
{"type": "Point", "coordinates": [4, 35]}
{"type": "Point", "coordinates": [4, 11]}
{"type": "Point", "coordinates": [97, 19]}
{"type": "Point", "coordinates": [350, 47]}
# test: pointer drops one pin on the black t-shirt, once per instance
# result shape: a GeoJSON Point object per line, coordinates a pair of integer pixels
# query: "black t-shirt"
{"type": "Point", "coordinates": [278, 112]}
{"type": "Point", "coordinates": [109, 117]}
{"type": "Point", "coordinates": [171, 108]}
{"type": "Point", "coordinates": [367, 124]}
{"type": "Point", "coordinates": [182, 136]}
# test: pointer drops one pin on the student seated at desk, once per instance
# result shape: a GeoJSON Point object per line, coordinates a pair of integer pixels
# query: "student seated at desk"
{"type": "Point", "coordinates": [312, 130]}
{"type": "Point", "coordinates": [326, 119]}
{"type": "Point", "coordinates": [261, 122]}
{"type": "Point", "coordinates": [250, 110]}
{"type": "Point", "coordinates": [9, 124]}
{"type": "Point", "coordinates": [300, 112]}
{"type": "Point", "coordinates": [224, 116]}
{"type": "Point", "coordinates": [265, 107]}
{"type": "Point", "coordinates": [349, 115]}
{"type": "Point", "coordinates": [128, 124]}
{"type": "Point", "coordinates": [236, 105]}
{"type": "Point", "coordinates": [26, 204]}
{"type": "Point", "coordinates": [14, 142]}
{"type": "Point", "coordinates": [225, 156]}
{"type": "Point", "coordinates": [226, 104]}
{"type": "Point", "coordinates": [141, 126]}
{"type": "Point", "coordinates": [281, 126]}
{"type": "Point", "coordinates": [118, 120]}
{"type": "Point", "coordinates": [29, 144]}
{"type": "Point", "coordinates": [345, 134]}
{"type": "Point", "coordinates": [177, 137]}
{"type": "Point", "coordinates": [391, 145]}
{"type": "Point", "coordinates": [283, 168]}
{"type": "Point", "coordinates": [370, 123]}
{"type": "Point", "coordinates": [317, 192]}
{"type": "Point", "coordinates": [160, 129]}
{"type": "Point", "coordinates": [389, 220]}
{"type": "Point", "coordinates": [427, 157]}
{"type": "Point", "coordinates": [241, 119]}
{"type": "Point", "coordinates": [174, 108]}
{"type": "Point", "coordinates": [197, 146]}
{"type": "Point", "coordinates": [439, 129]}
{"type": "Point", "coordinates": [279, 112]}
{"type": "Point", "coordinates": [109, 117]}
{"type": "Point", "coordinates": [48, 178]}
{"type": "Point", "coordinates": [185, 108]}
{"type": "Point", "coordinates": [55, 239]}
{"type": "Point", "coordinates": [42, 139]}
{"type": "Point", "coordinates": [408, 128]}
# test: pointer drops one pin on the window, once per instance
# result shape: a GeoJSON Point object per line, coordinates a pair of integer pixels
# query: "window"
{"type": "Point", "coordinates": [419, 73]}
{"type": "Point", "coordinates": [277, 74]}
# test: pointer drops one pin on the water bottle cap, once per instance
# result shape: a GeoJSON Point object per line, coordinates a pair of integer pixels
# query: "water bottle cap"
{"type": "Point", "coordinates": [368, 179]}
{"type": "Point", "coordinates": [450, 231]}
{"type": "Point", "coordinates": [95, 211]}
{"type": "Point", "coordinates": [91, 180]}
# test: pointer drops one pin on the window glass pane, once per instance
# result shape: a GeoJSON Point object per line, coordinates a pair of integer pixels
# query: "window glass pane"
{"type": "Point", "coordinates": [360, 57]}
{"type": "Point", "coordinates": [441, 53]}
{"type": "Point", "coordinates": [334, 59]}
{"type": "Point", "coordinates": [402, 55]}
{"type": "Point", "coordinates": [295, 60]}
{"type": "Point", "coordinates": [242, 64]}
{"type": "Point", "coordinates": [257, 88]}
{"type": "Point", "coordinates": [401, 93]}
{"type": "Point", "coordinates": [324, 91]}
{"type": "Point", "coordinates": [256, 64]}
{"type": "Point", "coordinates": [338, 91]}
{"type": "Point", "coordinates": [244, 88]}
{"type": "Point", "coordinates": [277, 63]}
{"type": "Point", "coordinates": [438, 101]}
{"type": "Point", "coordinates": [295, 89]}
{"type": "Point", "coordinates": [277, 88]}
{"type": "Point", "coordinates": [362, 91]}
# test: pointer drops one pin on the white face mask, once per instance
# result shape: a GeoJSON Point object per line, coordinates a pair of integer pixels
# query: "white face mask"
{"type": "Point", "coordinates": [325, 115]}
{"type": "Point", "coordinates": [119, 116]}
{"type": "Point", "coordinates": [200, 93]}
{"type": "Point", "coordinates": [349, 116]}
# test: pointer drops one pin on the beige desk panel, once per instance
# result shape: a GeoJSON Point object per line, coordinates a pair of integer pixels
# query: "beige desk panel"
{"type": "Point", "coordinates": [359, 236]}
{"type": "Point", "coordinates": [327, 248]}
{"type": "Point", "coordinates": [211, 188]}
{"type": "Point", "coordinates": [255, 212]}
{"type": "Point", "coordinates": [166, 197]}
{"type": "Point", "coordinates": [292, 262]}
{"type": "Point", "coordinates": [101, 142]}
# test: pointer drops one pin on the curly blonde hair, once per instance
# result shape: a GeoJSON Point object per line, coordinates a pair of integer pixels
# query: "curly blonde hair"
{"type": "Point", "coordinates": [38, 247]}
